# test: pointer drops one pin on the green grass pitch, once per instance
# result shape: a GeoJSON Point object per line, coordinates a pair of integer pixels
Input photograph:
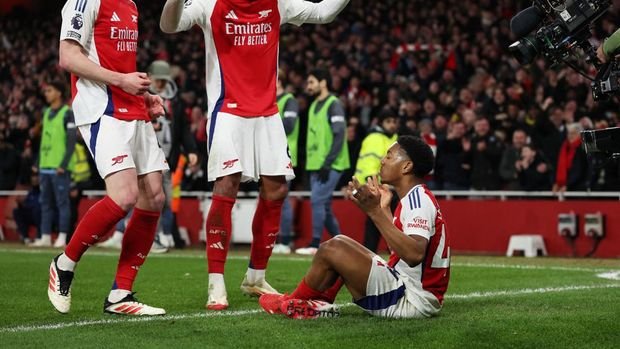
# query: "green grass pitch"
{"type": "Point", "coordinates": [492, 302]}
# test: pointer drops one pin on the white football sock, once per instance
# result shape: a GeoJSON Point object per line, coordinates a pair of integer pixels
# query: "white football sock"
{"type": "Point", "coordinates": [255, 275]}
{"type": "Point", "coordinates": [117, 295]}
{"type": "Point", "coordinates": [65, 263]}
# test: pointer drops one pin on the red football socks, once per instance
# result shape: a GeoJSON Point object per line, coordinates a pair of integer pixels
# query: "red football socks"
{"type": "Point", "coordinates": [219, 229]}
{"type": "Point", "coordinates": [305, 292]}
{"type": "Point", "coordinates": [265, 227]}
{"type": "Point", "coordinates": [330, 294]}
{"type": "Point", "coordinates": [137, 242]}
{"type": "Point", "coordinates": [95, 224]}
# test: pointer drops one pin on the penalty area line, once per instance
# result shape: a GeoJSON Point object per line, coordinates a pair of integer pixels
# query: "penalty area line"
{"type": "Point", "coordinates": [466, 296]}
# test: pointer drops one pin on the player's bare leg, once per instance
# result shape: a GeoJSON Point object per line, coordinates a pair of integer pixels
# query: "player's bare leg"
{"type": "Point", "coordinates": [340, 257]}
{"type": "Point", "coordinates": [121, 196]}
{"type": "Point", "coordinates": [338, 260]}
{"type": "Point", "coordinates": [137, 241]}
{"type": "Point", "coordinates": [265, 228]}
{"type": "Point", "coordinates": [219, 229]}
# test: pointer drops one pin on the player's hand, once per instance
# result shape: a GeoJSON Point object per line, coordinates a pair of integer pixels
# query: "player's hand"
{"type": "Point", "coordinates": [155, 105]}
{"type": "Point", "coordinates": [386, 196]}
{"type": "Point", "coordinates": [323, 174]}
{"type": "Point", "coordinates": [193, 159]}
{"type": "Point", "coordinates": [135, 83]}
{"type": "Point", "coordinates": [351, 188]}
{"type": "Point", "coordinates": [367, 197]}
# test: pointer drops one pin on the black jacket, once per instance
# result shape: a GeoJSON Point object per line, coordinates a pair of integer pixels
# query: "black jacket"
{"type": "Point", "coordinates": [183, 141]}
{"type": "Point", "coordinates": [485, 164]}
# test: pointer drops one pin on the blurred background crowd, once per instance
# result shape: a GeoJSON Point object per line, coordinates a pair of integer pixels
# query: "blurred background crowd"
{"type": "Point", "coordinates": [441, 66]}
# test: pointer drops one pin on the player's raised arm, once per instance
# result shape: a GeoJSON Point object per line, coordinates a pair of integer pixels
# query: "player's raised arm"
{"type": "Point", "coordinates": [171, 16]}
{"type": "Point", "coordinates": [299, 12]}
{"type": "Point", "coordinates": [180, 15]}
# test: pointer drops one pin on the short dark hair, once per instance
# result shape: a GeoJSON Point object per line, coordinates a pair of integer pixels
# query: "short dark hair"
{"type": "Point", "coordinates": [59, 86]}
{"type": "Point", "coordinates": [322, 74]}
{"type": "Point", "coordinates": [420, 153]}
{"type": "Point", "coordinates": [387, 112]}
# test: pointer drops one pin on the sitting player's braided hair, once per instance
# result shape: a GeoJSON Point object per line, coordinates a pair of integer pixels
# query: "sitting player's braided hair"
{"type": "Point", "coordinates": [420, 153]}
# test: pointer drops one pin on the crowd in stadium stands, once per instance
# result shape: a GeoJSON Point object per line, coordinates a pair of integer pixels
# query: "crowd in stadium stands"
{"type": "Point", "coordinates": [442, 66]}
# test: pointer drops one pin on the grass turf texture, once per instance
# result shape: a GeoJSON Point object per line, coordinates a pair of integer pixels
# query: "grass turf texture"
{"type": "Point", "coordinates": [474, 314]}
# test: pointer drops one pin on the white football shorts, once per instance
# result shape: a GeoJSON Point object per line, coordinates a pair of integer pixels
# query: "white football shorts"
{"type": "Point", "coordinates": [118, 145]}
{"type": "Point", "coordinates": [388, 293]}
{"type": "Point", "coordinates": [253, 146]}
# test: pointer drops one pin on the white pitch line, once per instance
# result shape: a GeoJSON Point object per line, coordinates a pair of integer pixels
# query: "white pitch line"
{"type": "Point", "coordinates": [467, 296]}
{"type": "Point", "coordinates": [527, 266]}
{"type": "Point", "coordinates": [100, 253]}
{"type": "Point", "coordinates": [62, 325]}
{"type": "Point", "coordinates": [509, 293]}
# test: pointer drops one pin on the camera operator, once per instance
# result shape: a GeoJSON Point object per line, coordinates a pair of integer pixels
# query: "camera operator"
{"type": "Point", "coordinates": [609, 46]}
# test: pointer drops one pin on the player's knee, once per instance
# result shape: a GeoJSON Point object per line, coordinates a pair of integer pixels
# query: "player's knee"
{"type": "Point", "coordinates": [157, 200]}
{"type": "Point", "coordinates": [276, 192]}
{"type": "Point", "coordinates": [126, 199]}
{"type": "Point", "coordinates": [331, 247]}
{"type": "Point", "coordinates": [227, 186]}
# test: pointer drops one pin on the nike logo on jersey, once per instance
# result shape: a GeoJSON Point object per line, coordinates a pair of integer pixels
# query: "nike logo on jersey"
{"type": "Point", "coordinates": [229, 164]}
{"type": "Point", "coordinates": [264, 13]}
{"type": "Point", "coordinates": [231, 15]}
{"type": "Point", "coordinates": [115, 17]}
{"type": "Point", "coordinates": [118, 159]}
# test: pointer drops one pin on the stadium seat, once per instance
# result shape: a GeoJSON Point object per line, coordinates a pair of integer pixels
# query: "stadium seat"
{"type": "Point", "coordinates": [529, 244]}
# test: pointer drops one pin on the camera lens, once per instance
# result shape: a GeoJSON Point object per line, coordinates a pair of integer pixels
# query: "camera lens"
{"type": "Point", "coordinates": [524, 50]}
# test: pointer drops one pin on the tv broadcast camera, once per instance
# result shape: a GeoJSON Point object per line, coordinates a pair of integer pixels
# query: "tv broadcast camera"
{"type": "Point", "coordinates": [559, 30]}
{"type": "Point", "coordinates": [606, 141]}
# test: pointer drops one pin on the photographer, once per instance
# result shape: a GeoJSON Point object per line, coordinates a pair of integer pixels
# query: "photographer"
{"type": "Point", "coordinates": [609, 46]}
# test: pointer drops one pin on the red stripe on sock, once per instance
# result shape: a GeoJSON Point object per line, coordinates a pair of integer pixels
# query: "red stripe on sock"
{"type": "Point", "coordinates": [137, 241]}
{"type": "Point", "coordinates": [219, 229]}
{"type": "Point", "coordinates": [96, 223]}
{"type": "Point", "coordinates": [265, 228]}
